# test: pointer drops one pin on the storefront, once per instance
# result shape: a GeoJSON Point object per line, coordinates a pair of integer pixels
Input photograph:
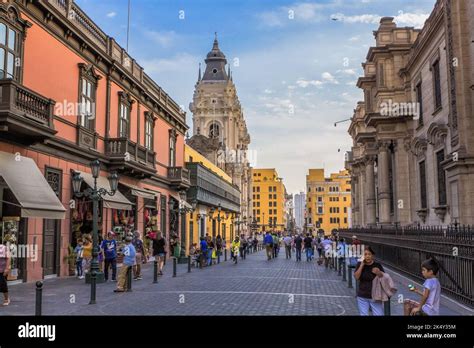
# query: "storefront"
{"type": "Point", "coordinates": [117, 208]}
{"type": "Point", "coordinates": [25, 194]}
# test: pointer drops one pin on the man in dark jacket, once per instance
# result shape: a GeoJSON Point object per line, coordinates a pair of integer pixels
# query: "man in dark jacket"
{"type": "Point", "coordinates": [298, 246]}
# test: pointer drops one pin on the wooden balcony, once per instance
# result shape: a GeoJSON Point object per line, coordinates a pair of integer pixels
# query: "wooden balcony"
{"type": "Point", "coordinates": [130, 158]}
{"type": "Point", "coordinates": [179, 177]}
{"type": "Point", "coordinates": [25, 116]}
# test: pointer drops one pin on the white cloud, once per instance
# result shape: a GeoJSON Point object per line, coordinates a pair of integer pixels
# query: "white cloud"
{"type": "Point", "coordinates": [354, 38]}
{"type": "Point", "coordinates": [111, 14]}
{"type": "Point", "coordinates": [329, 78]}
{"type": "Point", "coordinates": [416, 20]}
{"type": "Point", "coordinates": [402, 19]}
{"type": "Point", "coordinates": [162, 38]}
{"type": "Point", "coordinates": [305, 83]}
{"type": "Point", "coordinates": [348, 71]}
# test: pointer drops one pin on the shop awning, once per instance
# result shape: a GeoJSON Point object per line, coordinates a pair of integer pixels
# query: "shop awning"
{"type": "Point", "coordinates": [117, 201]}
{"type": "Point", "coordinates": [28, 184]}
{"type": "Point", "coordinates": [183, 202]}
{"type": "Point", "coordinates": [141, 192]}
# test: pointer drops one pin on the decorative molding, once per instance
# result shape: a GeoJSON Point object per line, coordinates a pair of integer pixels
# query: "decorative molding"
{"type": "Point", "coordinates": [441, 211]}
{"type": "Point", "coordinates": [419, 147]}
{"type": "Point", "coordinates": [422, 214]}
{"type": "Point", "coordinates": [437, 134]}
{"type": "Point", "coordinates": [452, 70]}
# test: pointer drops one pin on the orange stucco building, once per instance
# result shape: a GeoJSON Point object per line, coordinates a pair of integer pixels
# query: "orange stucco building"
{"type": "Point", "coordinates": [70, 94]}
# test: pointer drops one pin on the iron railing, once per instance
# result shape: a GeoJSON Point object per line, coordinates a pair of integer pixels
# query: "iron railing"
{"type": "Point", "coordinates": [405, 248]}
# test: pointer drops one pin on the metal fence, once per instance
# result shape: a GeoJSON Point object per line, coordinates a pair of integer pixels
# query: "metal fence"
{"type": "Point", "coordinates": [405, 248]}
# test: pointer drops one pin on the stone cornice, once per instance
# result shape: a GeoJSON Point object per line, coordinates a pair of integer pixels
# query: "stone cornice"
{"type": "Point", "coordinates": [94, 50]}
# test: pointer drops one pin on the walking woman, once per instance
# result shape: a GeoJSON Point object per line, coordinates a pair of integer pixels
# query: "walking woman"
{"type": "Point", "coordinates": [159, 244]}
{"type": "Point", "coordinates": [4, 270]}
{"type": "Point", "coordinates": [365, 273]}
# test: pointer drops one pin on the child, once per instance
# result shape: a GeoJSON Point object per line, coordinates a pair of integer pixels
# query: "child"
{"type": "Point", "coordinates": [429, 304]}
{"type": "Point", "coordinates": [79, 258]}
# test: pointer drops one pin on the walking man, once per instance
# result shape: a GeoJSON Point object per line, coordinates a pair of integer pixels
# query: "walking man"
{"type": "Point", "coordinates": [287, 241]}
{"type": "Point", "coordinates": [298, 242]}
{"type": "Point", "coordinates": [268, 241]}
{"type": "Point", "coordinates": [308, 246]}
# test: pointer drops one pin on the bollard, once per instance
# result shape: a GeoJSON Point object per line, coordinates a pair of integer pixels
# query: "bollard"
{"type": "Point", "coordinates": [225, 254]}
{"type": "Point", "coordinates": [39, 298]}
{"type": "Point", "coordinates": [93, 286]}
{"type": "Point", "coordinates": [339, 270]}
{"type": "Point", "coordinates": [349, 285]}
{"type": "Point", "coordinates": [344, 270]}
{"type": "Point", "coordinates": [129, 279]}
{"type": "Point", "coordinates": [174, 266]}
{"type": "Point", "coordinates": [201, 260]}
{"type": "Point", "coordinates": [155, 272]}
{"type": "Point", "coordinates": [189, 264]}
{"type": "Point", "coordinates": [386, 308]}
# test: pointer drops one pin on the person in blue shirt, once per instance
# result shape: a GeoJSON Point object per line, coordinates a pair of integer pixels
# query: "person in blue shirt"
{"type": "Point", "coordinates": [109, 249]}
{"type": "Point", "coordinates": [268, 241]}
{"type": "Point", "coordinates": [129, 254]}
{"type": "Point", "coordinates": [203, 247]}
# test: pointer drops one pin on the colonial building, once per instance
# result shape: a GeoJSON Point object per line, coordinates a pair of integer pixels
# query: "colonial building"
{"type": "Point", "coordinates": [69, 95]}
{"type": "Point", "coordinates": [268, 199]}
{"type": "Point", "coordinates": [214, 199]}
{"type": "Point", "coordinates": [413, 156]}
{"type": "Point", "coordinates": [328, 201]}
{"type": "Point", "coordinates": [219, 128]}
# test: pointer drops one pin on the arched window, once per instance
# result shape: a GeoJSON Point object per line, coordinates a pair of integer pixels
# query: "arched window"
{"type": "Point", "coordinates": [214, 131]}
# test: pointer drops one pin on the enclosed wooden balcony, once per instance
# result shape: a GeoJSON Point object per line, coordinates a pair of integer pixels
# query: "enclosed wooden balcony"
{"type": "Point", "coordinates": [179, 177]}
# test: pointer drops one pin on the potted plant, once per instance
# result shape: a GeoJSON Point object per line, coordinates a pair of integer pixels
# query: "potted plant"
{"type": "Point", "coordinates": [70, 258]}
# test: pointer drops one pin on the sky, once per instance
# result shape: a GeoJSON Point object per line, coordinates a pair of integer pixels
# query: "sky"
{"type": "Point", "coordinates": [295, 64]}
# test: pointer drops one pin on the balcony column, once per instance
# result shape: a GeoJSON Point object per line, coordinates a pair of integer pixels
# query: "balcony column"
{"type": "Point", "coordinates": [383, 183]}
{"type": "Point", "coordinates": [370, 219]}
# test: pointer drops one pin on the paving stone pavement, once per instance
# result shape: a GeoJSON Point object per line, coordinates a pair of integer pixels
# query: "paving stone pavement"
{"type": "Point", "coordinates": [254, 286]}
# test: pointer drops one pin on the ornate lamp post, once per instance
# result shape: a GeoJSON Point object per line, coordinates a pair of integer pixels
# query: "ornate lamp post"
{"type": "Point", "coordinates": [96, 195]}
{"type": "Point", "coordinates": [219, 209]}
{"type": "Point", "coordinates": [226, 214]}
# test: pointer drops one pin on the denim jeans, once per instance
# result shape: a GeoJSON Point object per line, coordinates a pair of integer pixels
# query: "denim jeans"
{"type": "Point", "coordinates": [113, 264]}
{"type": "Point", "coordinates": [309, 254]}
{"type": "Point", "coordinates": [365, 303]}
{"type": "Point", "coordinates": [79, 268]}
{"type": "Point", "coordinates": [209, 257]}
{"type": "Point", "coordinates": [298, 254]}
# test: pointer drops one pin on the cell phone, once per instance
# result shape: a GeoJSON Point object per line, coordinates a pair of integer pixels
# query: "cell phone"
{"type": "Point", "coordinates": [411, 287]}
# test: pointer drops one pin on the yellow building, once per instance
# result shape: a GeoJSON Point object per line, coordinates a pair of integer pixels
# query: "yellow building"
{"type": "Point", "coordinates": [213, 197]}
{"type": "Point", "coordinates": [328, 200]}
{"type": "Point", "coordinates": [268, 199]}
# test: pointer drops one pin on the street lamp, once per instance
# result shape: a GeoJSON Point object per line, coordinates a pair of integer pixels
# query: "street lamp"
{"type": "Point", "coordinates": [96, 195]}
{"type": "Point", "coordinates": [219, 219]}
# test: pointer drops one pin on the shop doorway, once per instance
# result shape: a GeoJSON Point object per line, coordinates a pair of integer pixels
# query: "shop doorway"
{"type": "Point", "coordinates": [50, 247]}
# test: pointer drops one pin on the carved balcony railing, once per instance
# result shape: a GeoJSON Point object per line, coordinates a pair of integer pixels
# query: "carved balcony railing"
{"type": "Point", "coordinates": [130, 157]}
{"type": "Point", "coordinates": [25, 113]}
